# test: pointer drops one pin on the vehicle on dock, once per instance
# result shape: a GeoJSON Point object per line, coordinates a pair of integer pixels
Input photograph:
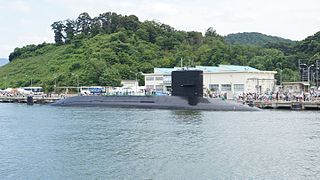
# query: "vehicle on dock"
{"type": "Point", "coordinates": [30, 90]}
{"type": "Point", "coordinates": [92, 90]}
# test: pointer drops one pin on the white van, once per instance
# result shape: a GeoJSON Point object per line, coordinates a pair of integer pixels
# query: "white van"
{"type": "Point", "coordinates": [31, 90]}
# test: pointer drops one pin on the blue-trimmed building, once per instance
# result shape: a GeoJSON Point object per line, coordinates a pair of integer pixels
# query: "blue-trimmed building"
{"type": "Point", "coordinates": [222, 78]}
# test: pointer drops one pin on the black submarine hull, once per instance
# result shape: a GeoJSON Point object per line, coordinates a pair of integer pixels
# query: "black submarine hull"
{"type": "Point", "coordinates": [153, 102]}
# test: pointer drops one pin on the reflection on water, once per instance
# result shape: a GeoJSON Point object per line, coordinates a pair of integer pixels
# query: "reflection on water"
{"type": "Point", "coordinates": [43, 142]}
{"type": "Point", "coordinates": [187, 117]}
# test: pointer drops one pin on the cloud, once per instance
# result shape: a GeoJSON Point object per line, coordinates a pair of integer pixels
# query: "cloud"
{"type": "Point", "coordinates": [162, 8]}
{"type": "Point", "coordinates": [31, 38]}
{"type": "Point", "coordinates": [20, 6]}
{"type": "Point", "coordinates": [28, 21]}
{"type": "Point", "coordinates": [24, 21]}
{"type": "Point", "coordinates": [5, 50]}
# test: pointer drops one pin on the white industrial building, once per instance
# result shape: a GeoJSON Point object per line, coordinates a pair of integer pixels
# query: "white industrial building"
{"type": "Point", "coordinates": [221, 79]}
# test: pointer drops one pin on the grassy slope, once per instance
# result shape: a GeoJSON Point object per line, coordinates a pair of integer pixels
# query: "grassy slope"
{"type": "Point", "coordinates": [66, 62]}
{"type": "Point", "coordinates": [40, 68]}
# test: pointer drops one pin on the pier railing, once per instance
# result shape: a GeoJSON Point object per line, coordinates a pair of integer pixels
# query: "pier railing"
{"type": "Point", "coordinates": [281, 104]}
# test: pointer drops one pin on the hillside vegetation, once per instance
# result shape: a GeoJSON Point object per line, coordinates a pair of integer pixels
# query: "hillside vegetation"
{"type": "Point", "coordinates": [105, 49]}
{"type": "Point", "coordinates": [256, 39]}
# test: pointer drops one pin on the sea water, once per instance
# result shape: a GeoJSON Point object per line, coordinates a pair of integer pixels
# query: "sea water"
{"type": "Point", "coordinates": [45, 142]}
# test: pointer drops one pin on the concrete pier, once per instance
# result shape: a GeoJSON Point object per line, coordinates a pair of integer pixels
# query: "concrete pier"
{"type": "Point", "coordinates": [292, 105]}
{"type": "Point", "coordinates": [36, 99]}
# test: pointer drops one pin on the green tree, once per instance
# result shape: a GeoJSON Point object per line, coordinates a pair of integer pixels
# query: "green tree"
{"type": "Point", "coordinates": [57, 28]}
{"type": "Point", "coordinates": [95, 26]}
{"type": "Point", "coordinates": [84, 23]}
{"type": "Point", "coordinates": [131, 23]}
{"type": "Point", "coordinates": [110, 77]}
{"type": "Point", "coordinates": [70, 30]}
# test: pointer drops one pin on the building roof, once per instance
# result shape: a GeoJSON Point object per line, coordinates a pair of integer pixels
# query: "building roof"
{"type": "Point", "coordinates": [163, 70]}
{"type": "Point", "coordinates": [220, 68]}
{"type": "Point", "coordinates": [296, 83]}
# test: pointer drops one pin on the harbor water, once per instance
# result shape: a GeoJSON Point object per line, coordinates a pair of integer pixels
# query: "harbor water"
{"type": "Point", "coordinates": [45, 142]}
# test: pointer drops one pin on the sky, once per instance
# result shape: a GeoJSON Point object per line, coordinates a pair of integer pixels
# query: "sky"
{"type": "Point", "coordinates": [26, 22]}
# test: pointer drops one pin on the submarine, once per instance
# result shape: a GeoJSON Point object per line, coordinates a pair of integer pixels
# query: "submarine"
{"type": "Point", "coordinates": [187, 94]}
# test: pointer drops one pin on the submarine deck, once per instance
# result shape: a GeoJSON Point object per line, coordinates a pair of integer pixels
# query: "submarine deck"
{"type": "Point", "coordinates": [155, 102]}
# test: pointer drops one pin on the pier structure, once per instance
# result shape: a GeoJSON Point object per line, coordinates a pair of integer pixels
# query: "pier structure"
{"type": "Point", "coordinates": [273, 104]}
{"type": "Point", "coordinates": [291, 105]}
{"type": "Point", "coordinates": [23, 99]}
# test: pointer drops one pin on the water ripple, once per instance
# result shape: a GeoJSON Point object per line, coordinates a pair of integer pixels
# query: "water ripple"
{"type": "Point", "coordinates": [43, 142]}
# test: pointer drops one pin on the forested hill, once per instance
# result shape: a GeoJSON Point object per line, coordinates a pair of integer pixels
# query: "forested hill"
{"type": "Point", "coordinates": [309, 48]}
{"type": "Point", "coordinates": [3, 61]}
{"type": "Point", "coordinates": [255, 38]}
{"type": "Point", "coordinates": [103, 50]}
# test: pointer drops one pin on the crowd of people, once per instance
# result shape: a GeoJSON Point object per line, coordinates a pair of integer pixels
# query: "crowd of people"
{"type": "Point", "coordinates": [279, 96]}
{"type": "Point", "coordinates": [271, 96]}
{"type": "Point", "coordinates": [242, 97]}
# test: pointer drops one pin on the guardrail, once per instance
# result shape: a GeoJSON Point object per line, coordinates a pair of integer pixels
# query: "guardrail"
{"type": "Point", "coordinates": [293, 105]}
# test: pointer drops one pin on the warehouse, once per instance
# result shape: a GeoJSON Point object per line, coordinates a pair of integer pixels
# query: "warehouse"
{"type": "Point", "coordinates": [221, 79]}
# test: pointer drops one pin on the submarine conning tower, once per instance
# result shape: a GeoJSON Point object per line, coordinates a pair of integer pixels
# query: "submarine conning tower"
{"type": "Point", "coordinates": [187, 83]}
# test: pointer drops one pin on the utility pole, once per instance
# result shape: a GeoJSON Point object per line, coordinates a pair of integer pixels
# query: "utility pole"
{"type": "Point", "coordinates": [137, 83]}
{"type": "Point", "coordinates": [55, 84]}
{"type": "Point", "coordinates": [303, 68]}
{"type": "Point", "coordinates": [78, 85]}
{"type": "Point", "coordinates": [281, 75]}
{"type": "Point", "coordinates": [317, 73]}
{"type": "Point", "coordinates": [312, 65]}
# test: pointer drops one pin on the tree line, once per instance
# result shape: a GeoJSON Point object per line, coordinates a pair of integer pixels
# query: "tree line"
{"type": "Point", "coordinates": [110, 47]}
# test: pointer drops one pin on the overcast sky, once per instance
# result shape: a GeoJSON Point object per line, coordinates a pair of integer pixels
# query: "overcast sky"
{"type": "Point", "coordinates": [28, 21]}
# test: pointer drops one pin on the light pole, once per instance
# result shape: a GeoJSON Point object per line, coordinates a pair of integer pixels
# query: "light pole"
{"type": "Point", "coordinates": [309, 73]}
{"type": "Point", "coordinates": [317, 73]}
{"type": "Point", "coordinates": [317, 76]}
{"type": "Point", "coordinates": [78, 88]}
{"type": "Point", "coordinates": [30, 81]}
{"type": "Point", "coordinates": [302, 71]}
{"type": "Point", "coordinates": [137, 83]}
{"type": "Point", "coordinates": [55, 84]}
{"type": "Point", "coordinates": [281, 75]}
{"type": "Point", "coordinates": [5, 82]}
{"type": "Point", "coordinates": [78, 84]}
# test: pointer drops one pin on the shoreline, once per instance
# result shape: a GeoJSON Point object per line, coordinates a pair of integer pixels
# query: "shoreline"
{"type": "Point", "coordinates": [274, 104]}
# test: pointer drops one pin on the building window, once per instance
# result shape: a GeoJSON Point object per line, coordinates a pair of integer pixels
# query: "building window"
{"type": "Point", "coordinates": [159, 78]}
{"type": "Point", "coordinates": [167, 79]}
{"type": "Point", "coordinates": [238, 87]}
{"type": "Point", "coordinates": [225, 87]}
{"type": "Point", "coordinates": [214, 87]}
{"type": "Point", "coordinates": [149, 78]}
{"type": "Point", "coordinates": [159, 87]}
{"type": "Point", "coordinates": [149, 86]}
